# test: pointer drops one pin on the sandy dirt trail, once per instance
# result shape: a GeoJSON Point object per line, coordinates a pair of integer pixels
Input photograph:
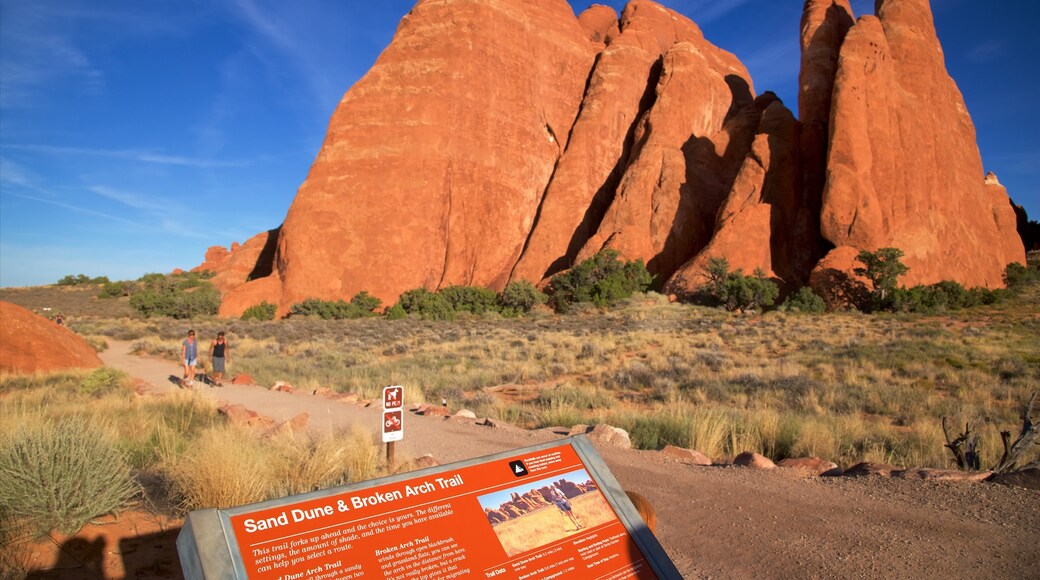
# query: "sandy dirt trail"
{"type": "Point", "coordinates": [725, 522]}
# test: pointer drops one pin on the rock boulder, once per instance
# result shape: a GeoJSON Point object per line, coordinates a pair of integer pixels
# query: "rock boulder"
{"type": "Point", "coordinates": [30, 343]}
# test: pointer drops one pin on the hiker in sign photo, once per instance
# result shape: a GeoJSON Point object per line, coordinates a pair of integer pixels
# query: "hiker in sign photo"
{"type": "Point", "coordinates": [558, 498]}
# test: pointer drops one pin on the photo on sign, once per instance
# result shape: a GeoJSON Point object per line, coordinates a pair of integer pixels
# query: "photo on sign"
{"type": "Point", "coordinates": [535, 513]}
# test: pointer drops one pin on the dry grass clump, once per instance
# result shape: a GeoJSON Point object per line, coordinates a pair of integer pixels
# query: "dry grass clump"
{"type": "Point", "coordinates": [72, 439]}
{"type": "Point", "coordinates": [229, 466]}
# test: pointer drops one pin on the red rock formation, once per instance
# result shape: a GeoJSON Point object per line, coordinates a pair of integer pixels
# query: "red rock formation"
{"type": "Point", "coordinates": [903, 167]}
{"type": "Point", "coordinates": [824, 26]}
{"type": "Point", "coordinates": [620, 89]}
{"type": "Point", "coordinates": [30, 343]}
{"type": "Point", "coordinates": [509, 139]}
{"type": "Point", "coordinates": [766, 222]}
{"type": "Point", "coordinates": [688, 148]}
{"type": "Point", "coordinates": [436, 160]}
{"type": "Point", "coordinates": [247, 278]}
{"type": "Point", "coordinates": [600, 23]}
{"type": "Point", "coordinates": [1004, 215]}
{"type": "Point", "coordinates": [216, 259]}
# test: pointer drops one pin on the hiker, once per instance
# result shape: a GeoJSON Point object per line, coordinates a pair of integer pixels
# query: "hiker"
{"type": "Point", "coordinates": [557, 496]}
{"type": "Point", "coordinates": [219, 355]}
{"type": "Point", "coordinates": [190, 356]}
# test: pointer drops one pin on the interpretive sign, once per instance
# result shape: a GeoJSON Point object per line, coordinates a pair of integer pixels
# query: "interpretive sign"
{"type": "Point", "coordinates": [539, 513]}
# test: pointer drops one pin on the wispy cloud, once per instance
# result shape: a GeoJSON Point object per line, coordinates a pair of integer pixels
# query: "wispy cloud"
{"type": "Point", "coordinates": [129, 154]}
{"type": "Point", "coordinates": [71, 207]}
{"type": "Point", "coordinates": [279, 33]}
{"type": "Point", "coordinates": [45, 42]}
{"type": "Point", "coordinates": [134, 200]}
{"type": "Point", "coordinates": [704, 12]}
{"type": "Point", "coordinates": [987, 51]}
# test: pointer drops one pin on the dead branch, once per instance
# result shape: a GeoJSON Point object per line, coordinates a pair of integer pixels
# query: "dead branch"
{"type": "Point", "coordinates": [1014, 452]}
{"type": "Point", "coordinates": [964, 447]}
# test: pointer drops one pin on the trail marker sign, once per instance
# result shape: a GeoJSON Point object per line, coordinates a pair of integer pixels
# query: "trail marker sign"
{"type": "Point", "coordinates": [393, 416]}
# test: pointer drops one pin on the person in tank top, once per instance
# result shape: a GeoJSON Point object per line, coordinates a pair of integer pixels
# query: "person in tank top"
{"type": "Point", "coordinates": [219, 356]}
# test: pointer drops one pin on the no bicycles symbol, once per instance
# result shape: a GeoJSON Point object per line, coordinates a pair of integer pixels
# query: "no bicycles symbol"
{"type": "Point", "coordinates": [393, 426]}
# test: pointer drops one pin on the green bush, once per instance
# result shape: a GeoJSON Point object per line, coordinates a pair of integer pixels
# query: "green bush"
{"type": "Point", "coordinates": [263, 311]}
{"type": "Point", "coordinates": [941, 297]}
{"type": "Point", "coordinates": [396, 312]}
{"type": "Point", "coordinates": [602, 280]}
{"type": "Point", "coordinates": [360, 306]}
{"type": "Point", "coordinates": [735, 291]}
{"type": "Point", "coordinates": [475, 299]}
{"type": "Point", "coordinates": [426, 305]}
{"type": "Point", "coordinates": [82, 279]}
{"type": "Point", "coordinates": [519, 298]}
{"type": "Point", "coordinates": [117, 289]}
{"type": "Point", "coordinates": [104, 380]}
{"type": "Point", "coordinates": [883, 268]}
{"type": "Point", "coordinates": [200, 300]}
{"type": "Point", "coordinates": [366, 302]}
{"type": "Point", "coordinates": [1017, 276]}
{"type": "Point", "coordinates": [61, 474]}
{"type": "Point", "coordinates": [804, 300]}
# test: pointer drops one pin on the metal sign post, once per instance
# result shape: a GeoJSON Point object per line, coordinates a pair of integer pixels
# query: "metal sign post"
{"type": "Point", "coordinates": [393, 420]}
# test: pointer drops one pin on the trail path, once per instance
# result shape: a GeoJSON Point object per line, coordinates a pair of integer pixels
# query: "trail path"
{"type": "Point", "coordinates": [731, 522]}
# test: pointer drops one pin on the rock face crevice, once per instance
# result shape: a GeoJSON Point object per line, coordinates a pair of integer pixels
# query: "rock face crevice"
{"type": "Point", "coordinates": [498, 140]}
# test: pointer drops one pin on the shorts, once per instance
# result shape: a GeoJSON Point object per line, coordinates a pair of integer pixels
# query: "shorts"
{"type": "Point", "coordinates": [564, 505]}
{"type": "Point", "coordinates": [190, 362]}
{"type": "Point", "coordinates": [218, 364]}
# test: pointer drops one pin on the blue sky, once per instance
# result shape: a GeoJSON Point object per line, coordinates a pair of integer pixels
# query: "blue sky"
{"type": "Point", "coordinates": [136, 133]}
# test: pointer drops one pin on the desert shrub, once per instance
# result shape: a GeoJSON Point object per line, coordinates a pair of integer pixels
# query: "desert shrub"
{"type": "Point", "coordinates": [366, 303]}
{"type": "Point", "coordinates": [263, 311]}
{"type": "Point", "coordinates": [519, 298]}
{"type": "Point", "coordinates": [735, 291]}
{"type": "Point", "coordinates": [181, 300]}
{"type": "Point", "coordinates": [396, 312]}
{"type": "Point", "coordinates": [426, 305]}
{"type": "Point", "coordinates": [883, 268]}
{"type": "Point", "coordinates": [940, 297]}
{"type": "Point", "coordinates": [1017, 276]}
{"type": "Point", "coordinates": [82, 279]}
{"type": "Point", "coordinates": [602, 280]}
{"type": "Point", "coordinates": [804, 300]}
{"type": "Point", "coordinates": [116, 289]}
{"type": "Point", "coordinates": [61, 474]}
{"type": "Point", "coordinates": [473, 299]}
{"type": "Point", "coordinates": [104, 380]}
{"type": "Point", "coordinates": [360, 306]}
